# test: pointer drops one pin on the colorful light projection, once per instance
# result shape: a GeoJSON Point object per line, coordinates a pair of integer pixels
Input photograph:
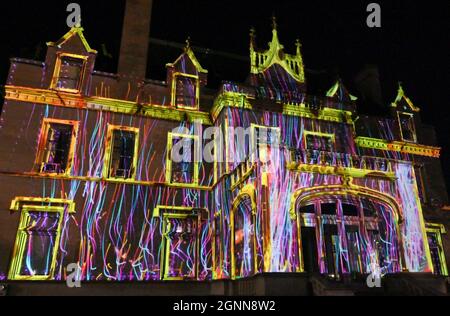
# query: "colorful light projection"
{"type": "Point", "coordinates": [120, 238]}
{"type": "Point", "coordinates": [244, 239]}
{"type": "Point", "coordinates": [181, 247]}
{"type": "Point", "coordinates": [356, 247]}
{"type": "Point", "coordinates": [354, 235]}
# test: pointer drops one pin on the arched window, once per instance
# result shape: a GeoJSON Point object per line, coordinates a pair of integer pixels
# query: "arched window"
{"type": "Point", "coordinates": [348, 235]}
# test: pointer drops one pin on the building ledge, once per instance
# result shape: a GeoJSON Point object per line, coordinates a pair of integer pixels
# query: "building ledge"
{"type": "Point", "coordinates": [70, 100]}
{"type": "Point", "coordinates": [403, 147]}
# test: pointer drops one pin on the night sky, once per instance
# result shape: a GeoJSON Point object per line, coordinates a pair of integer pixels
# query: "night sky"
{"type": "Point", "coordinates": [412, 46]}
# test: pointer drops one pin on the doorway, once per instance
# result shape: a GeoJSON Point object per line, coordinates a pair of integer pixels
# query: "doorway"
{"type": "Point", "coordinates": [180, 246]}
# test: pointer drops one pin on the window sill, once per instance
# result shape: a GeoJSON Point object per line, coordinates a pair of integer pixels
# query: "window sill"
{"type": "Point", "coordinates": [31, 278]}
{"type": "Point", "coordinates": [72, 91]}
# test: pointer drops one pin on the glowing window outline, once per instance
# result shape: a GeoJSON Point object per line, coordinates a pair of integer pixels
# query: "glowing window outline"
{"type": "Point", "coordinates": [320, 134]}
{"type": "Point", "coordinates": [26, 205]}
{"type": "Point", "coordinates": [174, 91]}
{"type": "Point", "coordinates": [56, 72]}
{"type": "Point", "coordinates": [106, 172]}
{"type": "Point", "coordinates": [254, 140]}
{"type": "Point", "coordinates": [166, 244]}
{"type": "Point", "coordinates": [42, 142]}
{"type": "Point", "coordinates": [438, 229]}
{"type": "Point", "coordinates": [413, 127]}
{"type": "Point", "coordinates": [160, 211]}
{"type": "Point", "coordinates": [195, 177]}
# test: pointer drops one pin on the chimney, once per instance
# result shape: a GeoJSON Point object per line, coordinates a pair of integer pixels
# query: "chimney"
{"type": "Point", "coordinates": [367, 82]}
{"type": "Point", "coordinates": [135, 38]}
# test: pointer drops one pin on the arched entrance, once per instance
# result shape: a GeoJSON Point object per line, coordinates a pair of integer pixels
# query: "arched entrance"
{"type": "Point", "coordinates": [346, 230]}
{"type": "Point", "coordinates": [243, 240]}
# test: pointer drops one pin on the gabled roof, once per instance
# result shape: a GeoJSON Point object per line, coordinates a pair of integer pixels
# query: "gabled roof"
{"type": "Point", "coordinates": [339, 91]}
{"type": "Point", "coordinates": [261, 61]}
{"type": "Point", "coordinates": [74, 31]}
{"type": "Point", "coordinates": [403, 102]}
{"type": "Point", "coordinates": [190, 53]}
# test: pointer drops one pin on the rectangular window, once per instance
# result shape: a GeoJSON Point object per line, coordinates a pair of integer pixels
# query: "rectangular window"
{"type": "Point", "coordinates": [267, 135]}
{"type": "Point", "coordinates": [267, 140]}
{"type": "Point", "coordinates": [121, 152]}
{"type": "Point", "coordinates": [437, 255]}
{"type": "Point", "coordinates": [57, 146]}
{"type": "Point", "coordinates": [407, 127]}
{"type": "Point", "coordinates": [69, 72]}
{"type": "Point", "coordinates": [36, 243]}
{"type": "Point", "coordinates": [319, 141]}
{"type": "Point", "coordinates": [185, 91]}
{"type": "Point", "coordinates": [181, 165]}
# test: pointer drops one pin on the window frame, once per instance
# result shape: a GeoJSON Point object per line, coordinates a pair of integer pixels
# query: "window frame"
{"type": "Point", "coordinates": [167, 211]}
{"type": "Point", "coordinates": [166, 243]}
{"type": "Point", "coordinates": [57, 71]}
{"type": "Point", "coordinates": [106, 172]}
{"type": "Point", "coordinates": [42, 144]}
{"type": "Point", "coordinates": [254, 144]}
{"type": "Point", "coordinates": [31, 204]}
{"type": "Point", "coordinates": [195, 177]}
{"type": "Point", "coordinates": [437, 229]}
{"type": "Point", "coordinates": [414, 132]}
{"type": "Point", "coordinates": [174, 91]}
{"type": "Point", "coordinates": [319, 134]}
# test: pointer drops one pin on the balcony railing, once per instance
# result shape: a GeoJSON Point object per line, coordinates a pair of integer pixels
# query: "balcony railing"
{"type": "Point", "coordinates": [336, 159]}
{"type": "Point", "coordinates": [241, 172]}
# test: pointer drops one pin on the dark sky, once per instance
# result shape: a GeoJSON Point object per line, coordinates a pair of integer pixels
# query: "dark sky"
{"type": "Point", "coordinates": [412, 45]}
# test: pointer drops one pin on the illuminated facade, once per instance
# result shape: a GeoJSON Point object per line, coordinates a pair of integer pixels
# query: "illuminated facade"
{"type": "Point", "coordinates": [87, 173]}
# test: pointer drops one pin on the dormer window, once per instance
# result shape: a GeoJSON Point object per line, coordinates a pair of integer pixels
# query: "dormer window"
{"type": "Point", "coordinates": [407, 126]}
{"type": "Point", "coordinates": [68, 75]}
{"type": "Point", "coordinates": [185, 91]}
{"type": "Point", "coordinates": [185, 77]}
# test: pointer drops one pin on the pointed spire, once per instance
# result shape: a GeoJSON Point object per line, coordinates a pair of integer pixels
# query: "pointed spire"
{"type": "Point", "coordinates": [275, 40]}
{"type": "Point", "coordinates": [190, 53]}
{"type": "Point", "coordinates": [252, 37]}
{"type": "Point", "coordinates": [262, 60]}
{"type": "Point", "coordinates": [74, 31]}
{"type": "Point", "coordinates": [274, 22]}
{"type": "Point", "coordinates": [78, 24]}
{"type": "Point", "coordinates": [298, 45]}
{"type": "Point", "coordinates": [400, 91]}
{"type": "Point", "coordinates": [401, 96]}
{"type": "Point", "coordinates": [339, 91]}
{"type": "Point", "coordinates": [188, 44]}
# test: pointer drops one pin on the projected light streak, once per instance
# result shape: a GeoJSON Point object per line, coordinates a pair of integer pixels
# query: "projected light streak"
{"type": "Point", "coordinates": [416, 248]}
{"type": "Point", "coordinates": [120, 240]}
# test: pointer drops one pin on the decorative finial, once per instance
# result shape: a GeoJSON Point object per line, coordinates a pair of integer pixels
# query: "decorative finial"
{"type": "Point", "coordinates": [298, 45]}
{"type": "Point", "coordinates": [400, 88]}
{"type": "Point", "coordinates": [274, 22]}
{"type": "Point", "coordinates": [188, 43]}
{"type": "Point", "coordinates": [252, 37]}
